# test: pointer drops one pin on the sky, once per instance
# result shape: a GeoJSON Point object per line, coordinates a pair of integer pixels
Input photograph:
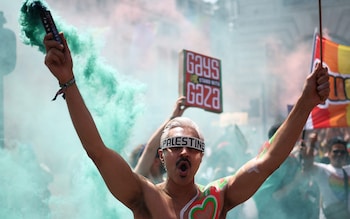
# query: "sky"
{"type": "Point", "coordinates": [134, 46]}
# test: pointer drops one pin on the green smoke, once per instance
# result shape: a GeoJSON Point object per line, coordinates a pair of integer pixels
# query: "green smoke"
{"type": "Point", "coordinates": [24, 184]}
{"type": "Point", "coordinates": [111, 97]}
{"type": "Point", "coordinates": [114, 101]}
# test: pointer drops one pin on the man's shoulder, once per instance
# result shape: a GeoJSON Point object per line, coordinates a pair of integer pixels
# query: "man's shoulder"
{"type": "Point", "coordinates": [218, 184]}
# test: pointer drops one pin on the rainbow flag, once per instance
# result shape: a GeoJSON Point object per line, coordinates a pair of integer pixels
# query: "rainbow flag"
{"type": "Point", "coordinates": [336, 110]}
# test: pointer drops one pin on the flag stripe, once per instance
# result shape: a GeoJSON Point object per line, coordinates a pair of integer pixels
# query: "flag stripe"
{"type": "Point", "coordinates": [337, 115]}
{"type": "Point", "coordinates": [344, 59]}
{"type": "Point", "coordinates": [318, 116]}
{"type": "Point", "coordinates": [330, 51]}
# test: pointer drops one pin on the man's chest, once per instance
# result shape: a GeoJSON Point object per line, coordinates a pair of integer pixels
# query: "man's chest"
{"type": "Point", "coordinates": [206, 205]}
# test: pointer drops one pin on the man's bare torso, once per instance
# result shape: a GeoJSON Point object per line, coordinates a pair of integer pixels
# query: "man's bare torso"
{"type": "Point", "coordinates": [207, 203]}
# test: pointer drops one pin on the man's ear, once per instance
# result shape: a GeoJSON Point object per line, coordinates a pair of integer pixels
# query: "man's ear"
{"type": "Point", "coordinates": [160, 154]}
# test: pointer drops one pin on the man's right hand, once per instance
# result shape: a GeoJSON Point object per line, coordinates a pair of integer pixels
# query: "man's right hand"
{"type": "Point", "coordinates": [179, 108]}
{"type": "Point", "coordinates": [58, 58]}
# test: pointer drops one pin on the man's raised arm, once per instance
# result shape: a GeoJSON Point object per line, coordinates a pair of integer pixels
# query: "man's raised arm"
{"type": "Point", "coordinates": [249, 178]}
{"type": "Point", "coordinates": [143, 165]}
{"type": "Point", "coordinates": [118, 176]}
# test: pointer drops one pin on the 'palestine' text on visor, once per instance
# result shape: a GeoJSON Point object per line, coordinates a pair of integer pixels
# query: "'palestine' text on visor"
{"type": "Point", "coordinates": [180, 141]}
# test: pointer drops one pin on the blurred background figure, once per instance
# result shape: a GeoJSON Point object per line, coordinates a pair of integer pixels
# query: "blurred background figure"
{"type": "Point", "coordinates": [224, 158]}
{"type": "Point", "coordinates": [288, 193]}
{"type": "Point", "coordinates": [332, 178]}
{"type": "Point", "coordinates": [7, 47]}
{"type": "Point", "coordinates": [145, 159]}
{"type": "Point", "coordinates": [156, 170]}
{"type": "Point", "coordinates": [323, 136]}
{"type": "Point", "coordinates": [7, 65]}
{"type": "Point", "coordinates": [229, 153]}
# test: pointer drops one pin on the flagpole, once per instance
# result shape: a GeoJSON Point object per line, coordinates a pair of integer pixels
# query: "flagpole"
{"type": "Point", "coordinates": [321, 58]}
{"type": "Point", "coordinates": [320, 23]}
{"type": "Point", "coordinates": [313, 55]}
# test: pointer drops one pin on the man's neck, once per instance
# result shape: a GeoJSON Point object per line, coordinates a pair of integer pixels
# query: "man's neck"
{"type": "Point", "coordinates": [180, 192]}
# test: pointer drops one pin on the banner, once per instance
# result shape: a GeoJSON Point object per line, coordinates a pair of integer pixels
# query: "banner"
{"type": "Point", "coordinates": [200, 81]}
{"type": "Point", "coordinates": [336, 110]}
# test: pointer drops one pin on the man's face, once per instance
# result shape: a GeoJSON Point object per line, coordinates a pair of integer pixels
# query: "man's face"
{"type": "Point", "coordinates": [181, 163]}
{"type": "Point", "coordinates": [338, 155]}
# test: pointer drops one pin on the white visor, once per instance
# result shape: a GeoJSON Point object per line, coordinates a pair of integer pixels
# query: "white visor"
{"type": "Point", "coordinates": [180, 141]}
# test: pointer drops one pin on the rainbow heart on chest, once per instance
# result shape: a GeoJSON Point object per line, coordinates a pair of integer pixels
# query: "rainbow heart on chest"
{"type": "Point", "coordinates": [206, 208]}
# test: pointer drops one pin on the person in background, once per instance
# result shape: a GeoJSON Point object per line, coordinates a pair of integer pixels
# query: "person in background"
{"type": "Point", "coordinates": [181, 152]}
{"type": "Point", "coordinates": [227, 155]}
{"type": "Point", "coordinates": [298, 190]}
{"type": "Point", "coordinates": [156, 170]}
{"type": "Point", "coordinates": [8, 47]}
{"type": "Point", "coordinates": [148, 163]}
{"type": "Point", "coordinates": [287, 189]}
{"type": "Point", "coordinates": [323, 136]}
{"type": "Point", "coordinates": [230, 152]}
{"type": "Point", "coordinates": [8, 59]}
{"type": "Point", "coordinates": [332, 179]}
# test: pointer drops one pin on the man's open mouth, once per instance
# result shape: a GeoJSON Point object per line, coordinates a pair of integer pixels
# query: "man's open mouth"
{"type": "Point", "coordinates": [183, 165]}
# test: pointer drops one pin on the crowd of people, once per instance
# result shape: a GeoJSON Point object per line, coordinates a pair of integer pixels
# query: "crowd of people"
{"type": "Point", "coordinates": [328, 165]}
{"type": "Point", "coordinates": [294, 185]}
{"type": "Point", "coordinates": [296, 174]}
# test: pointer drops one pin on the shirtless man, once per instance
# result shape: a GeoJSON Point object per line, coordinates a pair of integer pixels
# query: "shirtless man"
{"type": "Point", "coordinates": [182, 149]}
